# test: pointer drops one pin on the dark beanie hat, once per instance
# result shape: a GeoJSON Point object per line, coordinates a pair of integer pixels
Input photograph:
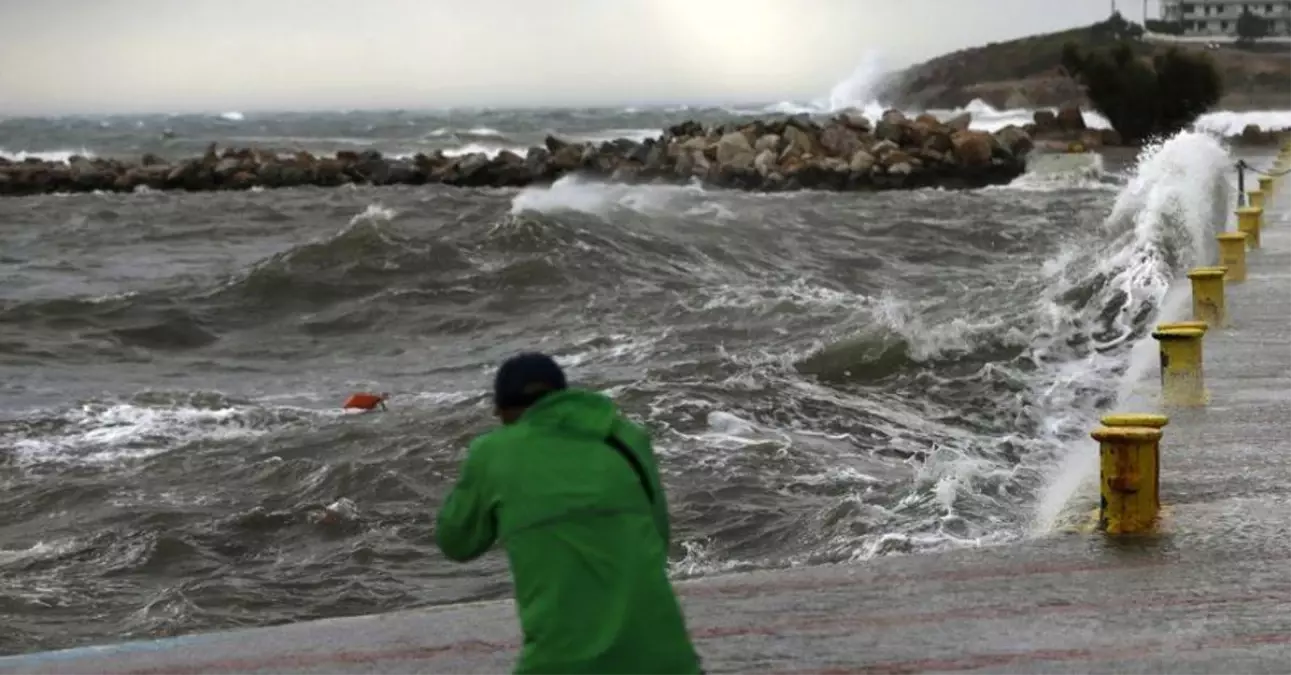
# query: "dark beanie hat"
{"type": "Point", "coordinates": [525, 378]}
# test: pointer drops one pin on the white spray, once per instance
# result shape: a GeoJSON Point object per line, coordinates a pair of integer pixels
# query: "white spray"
{"type": "Point", "coordinates": [1162, 223]}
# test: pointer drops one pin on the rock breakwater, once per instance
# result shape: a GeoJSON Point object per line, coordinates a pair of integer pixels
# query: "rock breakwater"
{"type": "Point", "coordinates": [1057, 130]}
{"type": "Point", "coordinates": [846, 152]}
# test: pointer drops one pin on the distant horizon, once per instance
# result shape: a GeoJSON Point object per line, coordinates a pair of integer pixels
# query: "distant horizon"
{"type": "Point", "coordinates": [262, 109]}
{"type": "Point", "coordinates": [217, 113]}
{"type": "Point", "coordinates": [476, 109]}
{"type": "Point", "coordinates": [249, 111]}
{"type": "Point", "coordinates": [159, 57]}
{"type": "Point", "coordinates": [709, 103]}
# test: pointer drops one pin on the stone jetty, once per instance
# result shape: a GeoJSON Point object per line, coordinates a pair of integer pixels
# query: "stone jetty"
{"type": "Point", "coordinates": [845, 152]}
{"type": "Point", "coordinates": [1058, 129]}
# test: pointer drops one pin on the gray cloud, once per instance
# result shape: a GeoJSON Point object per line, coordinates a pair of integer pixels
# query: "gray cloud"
{"type": "Point", "coordinates": [217, 55]}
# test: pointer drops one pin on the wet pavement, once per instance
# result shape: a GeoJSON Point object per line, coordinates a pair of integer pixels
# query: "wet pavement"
{"type": "Point", "coordinates": [1173, 603]}
{"type": "Point", "coordinates": [1211, 592]}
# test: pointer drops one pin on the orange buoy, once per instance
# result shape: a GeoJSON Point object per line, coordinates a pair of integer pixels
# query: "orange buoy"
{"type": "Point", "coordinates": [365, 401]}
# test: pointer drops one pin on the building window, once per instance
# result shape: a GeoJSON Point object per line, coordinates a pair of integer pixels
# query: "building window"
{"type": "Point", "coordinates": [1223, 25]}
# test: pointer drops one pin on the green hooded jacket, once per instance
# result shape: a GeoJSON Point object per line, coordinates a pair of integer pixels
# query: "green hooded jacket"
{"type": "Point", "coordinates": [588, 550]}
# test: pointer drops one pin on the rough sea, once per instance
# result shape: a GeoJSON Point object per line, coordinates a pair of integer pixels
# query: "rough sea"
{"type": "Point", "coordinates": [829, 377]}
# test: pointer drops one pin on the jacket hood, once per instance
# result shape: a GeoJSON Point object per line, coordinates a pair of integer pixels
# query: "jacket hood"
{"type": "Point", "coordinates": [574, 411]}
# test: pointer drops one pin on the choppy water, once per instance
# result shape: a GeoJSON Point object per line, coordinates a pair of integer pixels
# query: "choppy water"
{"type": "Point", "coordinates": [453, 132]}
{"type": "Point", "coordinates": [829, 378]}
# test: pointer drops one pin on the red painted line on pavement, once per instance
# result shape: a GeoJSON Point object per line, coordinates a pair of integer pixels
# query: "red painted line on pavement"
{"type": "Point", "coordinates": [313, 660]}
{"type": "Point", "coordinates": [989, 612]}
{"type": "Point", "coordinates": [302, 661]}
{"type": "Point", "coordinates": [977, 661]}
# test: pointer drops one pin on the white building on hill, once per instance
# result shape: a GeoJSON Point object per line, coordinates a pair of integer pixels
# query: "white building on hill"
{"type": "Point", "coordinates": [1219, 17]}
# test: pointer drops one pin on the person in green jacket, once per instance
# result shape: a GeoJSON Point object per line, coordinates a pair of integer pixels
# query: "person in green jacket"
{"type": "Point", "coordinates": [572, 490]}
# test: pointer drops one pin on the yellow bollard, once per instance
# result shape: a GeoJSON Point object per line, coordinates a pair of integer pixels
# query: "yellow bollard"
{"type": "Point", "coordinates": [1255, 199]}
{"type": "Point", "coordinates": [1182, 378]}
{"type": "Point", "coordinates": [1248, 221]}
{"type": "Point", "coordinates": [1232, 255]}
{"type": "Point", "coordinates": [1208, 295]}
{"type": "Point", "coordinates": [1266, 186]}
{"type": "Point", "coordinates": [1199, 325]}
{"type": "Point", "coordinates": [1149, 421]}
{"type": "Point", "coordinates": [1128, 479]}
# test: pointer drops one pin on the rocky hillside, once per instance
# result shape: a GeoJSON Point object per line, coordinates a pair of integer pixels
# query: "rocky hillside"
{"type": "Point", "coordinates": [1025, 73]}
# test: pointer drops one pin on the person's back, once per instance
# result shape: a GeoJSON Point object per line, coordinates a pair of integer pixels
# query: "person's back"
{"type": "Point", "coordinates": [586, 535]}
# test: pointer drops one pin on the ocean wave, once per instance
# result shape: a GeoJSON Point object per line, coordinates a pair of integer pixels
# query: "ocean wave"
{"type": "Point", "coordinates": [109, 432]}
{"type": "Point", "coordinates": [363, 258]}
{"type": "Point", "coordinates": [51, 155]}
{"type": "Point", "coordinates": [1057, 172]}
{"type": "Point", "coordinates": [576, 194]}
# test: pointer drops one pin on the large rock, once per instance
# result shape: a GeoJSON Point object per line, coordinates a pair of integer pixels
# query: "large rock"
{"type": "Point", "coordinates": [1014, 140]}
{"type": "Point", "coordinates": [938, 140]}
{"type": "Point", "coordinates": [893, 131]}
{"type": "Point", "coordinates": [1070, 118]}
{"type": "Point", "coordinates": [900, 162]}
{"type": "Point", "coordinates": [894, 117]}
{"type": "Point", "coordinates": [734, 150]}
{"type": "Point", "coordinates": [973, 148]}
{"type": "Point", "coordinates": [765, 163]}
{"type": "Point", "coordinates": [88, 176]}
{"type": "Point", "coordinates": [799, 143]}
{"type": "Point", "coordinates": [856, 120]}
{"type": "Point", "coordinates": [1045, 121]}
{"type": "Point", "coordinates": [768, 142]}
{"type": "Point", "coordinates": [838, 140]}
{"type": "Point", "coordinates": [960, 122]}
{"type": "Point", "coordinates": [862, 162]}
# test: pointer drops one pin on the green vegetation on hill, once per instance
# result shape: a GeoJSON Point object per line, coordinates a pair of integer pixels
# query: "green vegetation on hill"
{"type": "Point", "coordinates": [1145, 98]}
{"type": "Point", "coordinates": [1004, 74]}
{"type": "Point", "coordinates": [1028, 72]}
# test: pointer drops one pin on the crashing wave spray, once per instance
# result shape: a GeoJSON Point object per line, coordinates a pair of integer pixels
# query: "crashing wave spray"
{"type": "Point", "coordinates": [1162, 223]}
{"type": "Point", "coordinates": [860, 89]}
{"type": "Point", "coordinates": [1052, 172]}
{"type": "Point", "coordinates": [1061, 356]}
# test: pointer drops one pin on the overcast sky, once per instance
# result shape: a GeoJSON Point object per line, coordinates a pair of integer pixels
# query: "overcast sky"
{"type": "Point", "coordinates": [222, 55]}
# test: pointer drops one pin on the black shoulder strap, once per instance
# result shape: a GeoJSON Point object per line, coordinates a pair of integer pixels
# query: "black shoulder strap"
{"type": "Point", "coordinates": [634, 463]}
